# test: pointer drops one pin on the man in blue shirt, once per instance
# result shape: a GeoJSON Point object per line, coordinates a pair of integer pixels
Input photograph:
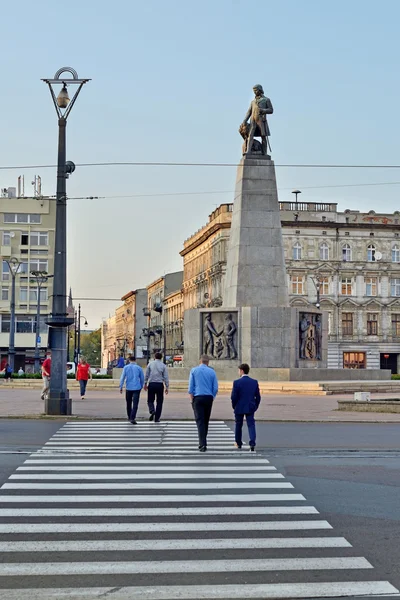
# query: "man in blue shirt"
{"type": "Point", "coordinates": [203, 387]}
{"type": "Point", "coordinates": [134, 378]}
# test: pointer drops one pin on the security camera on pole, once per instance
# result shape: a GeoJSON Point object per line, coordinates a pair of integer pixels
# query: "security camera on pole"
{"type": "Point", "coordinates": [58, 401]}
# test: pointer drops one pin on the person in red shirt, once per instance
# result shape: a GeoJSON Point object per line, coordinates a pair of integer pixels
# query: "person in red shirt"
{"type": "Point", "coordinates": [83, 373]}
{"type": "Point", "coordinates": [46, 372]}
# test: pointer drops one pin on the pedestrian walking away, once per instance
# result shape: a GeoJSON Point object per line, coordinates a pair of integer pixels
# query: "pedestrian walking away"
{"type": "Point", "coordinates": [133, 378]}
{"type": "Point", "coordinates": [8, 372]}
{"type": "Point", "coordinates": [46, 373]}
{"type": "Point", "coordinates": [245, 402]}
{"type": "Point", "coordinates": [156, 381]}
{"type": "Point", "coordinates": [83, 374]}
{"type": "Point", "coordinates": [203, 387]}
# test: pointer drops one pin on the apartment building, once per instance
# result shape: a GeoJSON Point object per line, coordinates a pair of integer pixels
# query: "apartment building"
{"type": "Point", "coordinates": [27, 232]}
{"type": "Point", "coordinates": [346, 262]}
{"type": "Point", "coordinates": [157, 291]}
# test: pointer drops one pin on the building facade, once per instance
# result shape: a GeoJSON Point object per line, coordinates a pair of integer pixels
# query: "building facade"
{"type": "Point", "coordinates": [173, 322]}
{"type": "Point", "coordinates": [122, 333]}
{"type": "Point", "coordinates": [156, 292]}
{"type": "Point", "coordinates": [27, 232]}
{"type": "Point", "coordinates": [347, 262]}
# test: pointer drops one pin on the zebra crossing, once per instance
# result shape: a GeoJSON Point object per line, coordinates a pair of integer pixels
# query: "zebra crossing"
{"type": "Point", "coordinates": [108, 508]}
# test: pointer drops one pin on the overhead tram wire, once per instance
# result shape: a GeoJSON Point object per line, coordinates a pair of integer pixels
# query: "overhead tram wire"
{"type": "Point", "coordinates": [183, 164]}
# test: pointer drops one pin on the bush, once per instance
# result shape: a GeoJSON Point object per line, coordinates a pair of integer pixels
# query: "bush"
{"type": "Point", "coordinates": [395, 376]}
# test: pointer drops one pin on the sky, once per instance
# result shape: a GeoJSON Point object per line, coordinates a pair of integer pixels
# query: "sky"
{"type": "Point", "coordinates": [171, 81]}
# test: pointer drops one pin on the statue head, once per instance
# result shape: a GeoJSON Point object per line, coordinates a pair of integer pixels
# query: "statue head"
{"type": "Point", "coordinates": [258, 90]}
{"type": "Point", "coordinates": [208, 317]}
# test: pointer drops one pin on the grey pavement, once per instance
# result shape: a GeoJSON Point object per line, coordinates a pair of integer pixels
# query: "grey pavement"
{"type": "Point", "coordinates": [107, 509]}
{"type": "Point", "coordinates": [274, 407]}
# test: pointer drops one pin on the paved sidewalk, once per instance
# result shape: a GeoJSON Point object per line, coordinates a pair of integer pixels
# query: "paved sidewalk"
{"type": "Point", "coordinates": [279, 407]}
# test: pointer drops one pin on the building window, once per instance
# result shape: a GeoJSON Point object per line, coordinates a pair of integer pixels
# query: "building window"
{"type": "Point", "coordinates": [39, 238]}
{"type": "Point", "coordinates": [23, 294]}
{"type": "Point", "coordinates": [297, 251]}
{"type": "Point", "coordinates": [21, 218]}
{"type": "Point", "coordinates": [5, 276]}
{"type": "Point", "coordinates": [372, 324]}
{"type": "Point", "coordinates": [6, 238]}
{"type": "Point", "coordinates": [297, 285]}
{"type": "Point", "coordinates": [324, 286]}
{"type": "Point", "coordinates": [395, 254]}
{"type": "Point", "coordinates": [395, 287]}
{"type": "Point", "coordinates": [371, 286]}
{"type": "Point", "coordinates": [346, 252]}
{"type": "Point", "coordinates": [39, 264]}
{"type": "Point", "coordinates": [33, 295]}
{"type": "Point", "coordinates": [324, 252]}
{"type": "Point", "coordinates": [4, 293]}
{"type": "Point", "coordinates": [347, 286]}
{"type": "Point", "coordinates": [371, 251]}
{"type": "Point", "coordinates": [396, 324]}
{"type": "Point", "coordinates": [5, 325]}
{"type": "Point", "coordinates": [354, 360]}
{"type": "Point", "coordinates": [25, 324]}
{"type": "Point", "coordinates": [347, 323]}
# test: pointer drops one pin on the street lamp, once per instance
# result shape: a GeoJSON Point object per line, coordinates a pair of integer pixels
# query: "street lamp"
{"type": "Point", "coordinates": [58, 401]}
{"type": "Point", "coordinates": [14, 265]}
{"type": "Point", "coordinates": [317, 283]}
{"type": "Point", "coordinates": [38, 277]}
{"type": "Point", "coordinates": [78, 318]}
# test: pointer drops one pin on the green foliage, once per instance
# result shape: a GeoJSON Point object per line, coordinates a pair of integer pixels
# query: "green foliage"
{"type": "Point", "coordinates": [91, 347]}
{"type": "Point", "coordinates": [395, 376]}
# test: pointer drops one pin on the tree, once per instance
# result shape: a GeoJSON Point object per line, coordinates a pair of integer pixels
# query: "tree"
{"type": "Point", "coordinates": [91, 347]}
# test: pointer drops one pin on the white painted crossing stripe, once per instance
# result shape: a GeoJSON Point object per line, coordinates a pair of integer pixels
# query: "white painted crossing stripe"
{"type": "Point", "coordinates": [240, 461]}
{"type": "Point", "coordinates": [254, 591]}
{"type": "Point", "coordinates": [168, 544]}
{"type": "Point", "coordinates": [123, 444]}
{"type": "Point", "coordinates": [117, 422]}
{"type": "Point", "coordinates": [146, 486]}
{"type": "Point", "coordinates": [162, 527]}
{"type": "Point", "coordinates": [78, 499]}
{"type": "Point", "coordinates": [183, 566]}
{"type": "Point", "coordinates": [153, 468]}
{"type": "Point", "coordinates": [65, 476]}
{"type": "Point", "coordinates": [123, 450]}
{"type": "Point", "coordinates": [142, 436]}
{"type": "Point", "coordinates": [198, 511]}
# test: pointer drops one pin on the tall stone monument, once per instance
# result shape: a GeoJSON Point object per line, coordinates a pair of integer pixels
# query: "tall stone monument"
{"type": "Point", "coordinates": [256, 323]}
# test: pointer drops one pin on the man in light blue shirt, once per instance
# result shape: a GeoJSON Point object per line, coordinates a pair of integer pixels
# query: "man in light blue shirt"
{"type": "Point", "coordinates": [203, 387]}
{"type": "Point", "coordinates": [133, 377]}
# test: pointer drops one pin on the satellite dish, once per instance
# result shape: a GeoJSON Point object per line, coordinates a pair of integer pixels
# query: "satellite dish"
{"type": "Point", "coordinates": [378, 255]}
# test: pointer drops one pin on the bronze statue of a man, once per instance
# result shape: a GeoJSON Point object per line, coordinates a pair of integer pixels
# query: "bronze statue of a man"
{"type": "Point", "coordinates": [259, 108]}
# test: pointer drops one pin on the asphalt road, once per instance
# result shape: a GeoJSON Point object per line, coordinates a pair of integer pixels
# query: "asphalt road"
{"type": "Point", "coordinates": [349, 473]}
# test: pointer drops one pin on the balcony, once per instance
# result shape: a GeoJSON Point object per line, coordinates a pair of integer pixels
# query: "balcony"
{"type": "Point", "coordinates": [308, 206]}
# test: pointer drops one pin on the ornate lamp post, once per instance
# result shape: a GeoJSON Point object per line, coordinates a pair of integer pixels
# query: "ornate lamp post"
{"type": "Point", "coordinates": [58, 401]}
{"type": "Point", "coordinates": [14, 265]}
{"type": "Point", "coordinates": [78, 318]}
{"type": "Point", "coordinates": [38, 277]}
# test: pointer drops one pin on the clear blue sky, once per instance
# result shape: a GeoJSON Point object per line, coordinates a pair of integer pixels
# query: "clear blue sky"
{"type": "Point", "coordinates": [172, 82]}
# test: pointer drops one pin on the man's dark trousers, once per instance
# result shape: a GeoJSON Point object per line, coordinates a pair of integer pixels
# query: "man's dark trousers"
{"type": "Point", "coordinates": [202, 406]}
{"type": "Point", "coordinates": [132, 403]}
{"type": "Point", "coordinates": [251, 426]}
{"type": "Point", "coordinates": [155, 390]}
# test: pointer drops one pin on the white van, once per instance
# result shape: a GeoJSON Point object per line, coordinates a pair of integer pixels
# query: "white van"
{"type": "Point", "coordinates": [70, 368]}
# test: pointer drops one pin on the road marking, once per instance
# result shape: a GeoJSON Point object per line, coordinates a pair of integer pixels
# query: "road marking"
{"type": "Point", "coordinates": [123, 444]}
{"type": "Point", "coordinates": [254, 591]}
{"type": "Point", "coordinates": [154, 468]}
{"type": "Point", "coordinates": [200, 511]}
{"type": "Point", "coordinates": [131, 451]}
{"type": "Point", "coordinates": [242, 461]}
{"type": "Point", "coordinates": [65, 476]}
{"type": "Point", "coordinates": [150, 498]}
{"type": "Point", "coordinates": [180, 544]}
{"type": "Point", "coordinates": [147, 486]}
{"type": "Point", "coordinates": [183, 566]}
{"type": "Point", "coordinates": [155, 527]}
{"type": "Point", "coordinates": [188, 423]}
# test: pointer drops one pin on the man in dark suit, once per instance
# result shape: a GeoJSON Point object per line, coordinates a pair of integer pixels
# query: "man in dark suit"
{"type": "Point", "coordinates": [245, 401]}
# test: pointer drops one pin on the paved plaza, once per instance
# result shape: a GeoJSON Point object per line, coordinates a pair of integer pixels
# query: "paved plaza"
{"type": "Point", "coordinates": [110, 404]}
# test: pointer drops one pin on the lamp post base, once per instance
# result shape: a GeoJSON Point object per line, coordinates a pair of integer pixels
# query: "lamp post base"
{"type": "Point", "coordinates": [59, 404]}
